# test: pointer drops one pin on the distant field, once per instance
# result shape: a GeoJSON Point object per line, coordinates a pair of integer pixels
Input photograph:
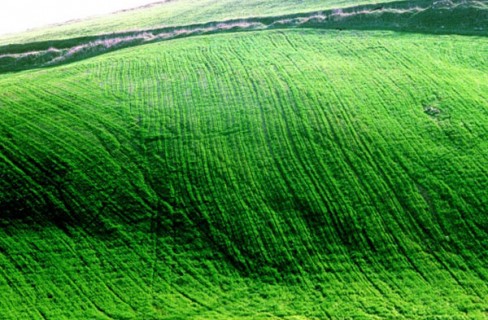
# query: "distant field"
{"type": "Point", "coordinates": [178, 12]}
{"type": "Point", "coordinates": [468, 18]}
{"type": "Point", "coordinates": [291, 174]}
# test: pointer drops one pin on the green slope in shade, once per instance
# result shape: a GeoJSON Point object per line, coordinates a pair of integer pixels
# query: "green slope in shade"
{"type": "Point", "coordinates": [294, 174]}
{"type": "Point", "coordinates": [176, 12]}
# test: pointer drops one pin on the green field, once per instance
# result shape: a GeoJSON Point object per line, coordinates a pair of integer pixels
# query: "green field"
{"type": "Point", "coordinates": [178, 12]}
{"type": "Point", "coordinates": [299, 173]}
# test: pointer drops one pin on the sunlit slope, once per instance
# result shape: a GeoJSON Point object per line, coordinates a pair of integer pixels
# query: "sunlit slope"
{"type": "Point", "coordinates": [299, 174]}
{"type": "Point", "coordinates": [176, 12]}
{"type": "Point", "coordinates": [420, 16]}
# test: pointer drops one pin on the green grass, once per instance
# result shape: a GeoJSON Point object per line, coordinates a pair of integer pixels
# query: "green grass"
{"type": "Point", "coordinates": [296, 174]}
{"type": "Point", "coordinates": [177, 12]}
{"type": "Point", "coordinates": [421, 16]}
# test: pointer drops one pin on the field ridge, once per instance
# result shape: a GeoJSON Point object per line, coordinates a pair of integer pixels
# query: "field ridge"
{"type": "Point", "coordinates": [441, 17]}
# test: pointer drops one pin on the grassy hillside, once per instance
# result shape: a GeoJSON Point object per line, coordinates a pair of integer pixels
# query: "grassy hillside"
{"type": "Point", "coordinates": [421, 16]}
{"type": "Point", "coordinates": [294, 173]}
{"type": "Point", "coordinates": [177, 12]}
{"type": "Point", "coordinates": [298, 174]}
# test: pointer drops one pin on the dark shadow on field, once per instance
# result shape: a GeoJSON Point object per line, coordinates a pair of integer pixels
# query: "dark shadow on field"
{"type": "Point", "coordinates": [429, 17]}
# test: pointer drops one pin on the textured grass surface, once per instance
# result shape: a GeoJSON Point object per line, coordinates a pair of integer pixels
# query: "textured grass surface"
{"type": "Point", "coordinates": [296, 174]}
{"type": "Point", "coordinates": [177, 12]}
{"type": "Point", "coordinates": [466, 18]}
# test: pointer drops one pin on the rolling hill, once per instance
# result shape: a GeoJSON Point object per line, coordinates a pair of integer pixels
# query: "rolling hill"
{"type": "Point", "coordinates": [170, 13]}
{"type": "Point", "coordinates": [330, 168]}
